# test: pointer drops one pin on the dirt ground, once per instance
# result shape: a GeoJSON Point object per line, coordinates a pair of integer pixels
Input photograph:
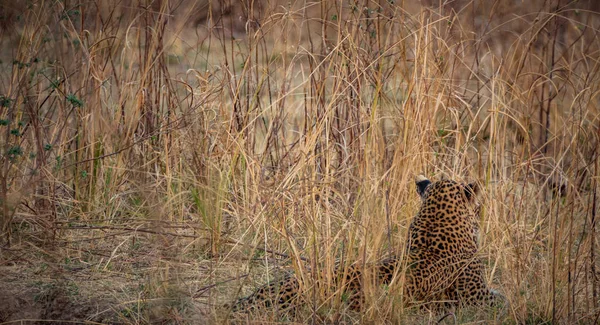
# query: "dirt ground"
{"type": "Point", "coordinates": [69, 290]}
{"type": "Point", "coordinates": [24, 300]}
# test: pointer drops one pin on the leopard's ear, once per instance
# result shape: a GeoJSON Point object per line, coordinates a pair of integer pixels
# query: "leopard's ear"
{"type": "Point", "coordinates": [422, 183]}
{"type": "Point", "coordinates": [471, 191]}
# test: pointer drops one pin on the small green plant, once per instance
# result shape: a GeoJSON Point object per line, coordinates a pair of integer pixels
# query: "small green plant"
{"type": "Point", "coordinates": [76, 102]}
{"type": "Point", "coordinates": [14, 152]}
{"type": "Point", "coordinates": [5, 101]}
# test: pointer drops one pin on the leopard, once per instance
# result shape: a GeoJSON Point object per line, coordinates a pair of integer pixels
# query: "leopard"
{"type": "Point", "coordinates": [282, 294]}
{"type": "Point", "coordinates": [285, 292]}
{"type": "Point", "coordinates": [442, 247]}
{"type": "Point", "coordinates": [441, 266]}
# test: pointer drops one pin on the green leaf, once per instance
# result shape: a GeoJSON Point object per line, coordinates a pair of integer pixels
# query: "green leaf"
{"type": "Point", "coordinates": [74, 100]}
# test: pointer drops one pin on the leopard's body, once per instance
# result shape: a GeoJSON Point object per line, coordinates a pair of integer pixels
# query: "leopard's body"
{"type": "Point", "coordinates": [284, 293]}
{"type": "Point", "coordinates": [280, 294]}
{"type": "Point", "coordinates": [441, 257]}
{"type": "Point", "coordinates": [442, 247]}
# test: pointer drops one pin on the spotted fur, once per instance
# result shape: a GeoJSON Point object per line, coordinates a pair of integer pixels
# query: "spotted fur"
{"type": "Point", "coordinates": [442, 246]}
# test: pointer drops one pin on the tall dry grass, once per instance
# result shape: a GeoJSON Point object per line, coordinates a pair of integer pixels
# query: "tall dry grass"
{"type": "Point", "coordinates": [180, 153]}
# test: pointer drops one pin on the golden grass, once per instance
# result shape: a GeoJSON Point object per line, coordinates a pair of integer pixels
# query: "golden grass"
{"type": "Point", "coordinates": [161, 158]}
